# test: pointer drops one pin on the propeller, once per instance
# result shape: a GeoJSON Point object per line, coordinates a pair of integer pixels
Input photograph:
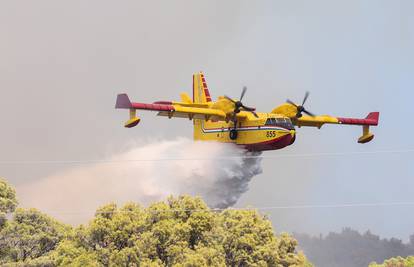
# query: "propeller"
{"type": "Point", "coordinates": [301, 108]}
{"type": "Point", "coordinates": [238, 105]}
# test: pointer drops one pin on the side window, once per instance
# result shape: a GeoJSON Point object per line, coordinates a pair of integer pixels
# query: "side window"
{"type": "Point", "coordinates": [268, 121]}
{"type": "Point", "coordinates": [285, 123]}
{"type": "Point", "coordinates": [279, 122]}
{"type": "Point", "coordinates": [289, 124]}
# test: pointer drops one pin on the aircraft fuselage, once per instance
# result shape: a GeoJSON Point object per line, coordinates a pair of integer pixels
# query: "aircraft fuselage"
{"type": "Point", "coordinates": [267, 132]}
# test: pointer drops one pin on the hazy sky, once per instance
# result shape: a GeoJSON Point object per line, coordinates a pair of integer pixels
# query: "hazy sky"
{"type": "Point", "coordinates": [63, 62]}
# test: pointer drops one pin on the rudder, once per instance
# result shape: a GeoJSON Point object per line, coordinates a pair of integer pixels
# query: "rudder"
{"type": "Point", "coordinates": [201, 94]}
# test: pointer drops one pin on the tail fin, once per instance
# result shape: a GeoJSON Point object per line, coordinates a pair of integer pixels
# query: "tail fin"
{"type": "Point", "coordinates": [200, 95]}
{"type": "Point", "coordinates": [200, 89]}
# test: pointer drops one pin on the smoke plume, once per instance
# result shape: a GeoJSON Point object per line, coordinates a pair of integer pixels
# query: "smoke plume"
{"type": "Point", "coordinates": [219, 173]}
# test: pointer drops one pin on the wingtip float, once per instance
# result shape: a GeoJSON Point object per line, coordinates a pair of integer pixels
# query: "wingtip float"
{"type": "Point", "coordinates": [230, 121]}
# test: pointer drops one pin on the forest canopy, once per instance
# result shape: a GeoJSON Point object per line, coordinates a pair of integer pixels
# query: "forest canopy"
{"type": "Point", "coordinates": [180, 231]}
{"type": "Point", "coordinates": [350, 248]}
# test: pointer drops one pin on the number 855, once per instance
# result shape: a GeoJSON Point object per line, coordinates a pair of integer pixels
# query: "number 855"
{"type": "Point", "coordinates": [271, 134]}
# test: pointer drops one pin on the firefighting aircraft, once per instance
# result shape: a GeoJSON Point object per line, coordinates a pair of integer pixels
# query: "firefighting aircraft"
{"type": "Point", "coordinates": [230, 121]}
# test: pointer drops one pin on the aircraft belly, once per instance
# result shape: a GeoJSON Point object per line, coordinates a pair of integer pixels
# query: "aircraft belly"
{"type": "Point", "coordinates": [252, 136]}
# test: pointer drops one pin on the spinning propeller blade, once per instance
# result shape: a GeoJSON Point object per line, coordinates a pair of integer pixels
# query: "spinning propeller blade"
{"type": "Point", "coordinates": [238, 106]}
{"type": "Point", "coordinates": [305, 98]}
{"type": "Point", "coordinates": [290, 102]}
{"type": "Point", "coordinates": [301, 108]}
{"type": "Point", "coordinates": [228, 98]}
{"type": "Point", "coordinates": [243, 92]}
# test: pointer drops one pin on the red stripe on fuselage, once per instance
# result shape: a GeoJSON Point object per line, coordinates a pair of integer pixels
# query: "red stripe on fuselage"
{"type": "Point", "coordinates": [259, 129]}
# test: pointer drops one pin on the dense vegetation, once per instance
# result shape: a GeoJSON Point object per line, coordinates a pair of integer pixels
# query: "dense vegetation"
{"type": "Point", "coordinates": [396, 262]}
{"type": "Point", "coordinates": [352, 249]}
{"type": "Point", "coordinates": [180, 231]}
{"type": "Point", "coordinates": [8, 201]}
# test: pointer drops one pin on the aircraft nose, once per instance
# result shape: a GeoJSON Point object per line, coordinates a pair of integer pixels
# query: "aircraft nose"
{"type": "Point", "coordinates": [293, 136]}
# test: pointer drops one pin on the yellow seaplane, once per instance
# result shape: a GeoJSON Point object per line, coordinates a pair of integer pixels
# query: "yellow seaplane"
{"type": "Point", "coordinates": [229, 121]}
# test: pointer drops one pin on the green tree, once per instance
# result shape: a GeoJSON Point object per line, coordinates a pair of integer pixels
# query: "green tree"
{"type": "Point", "coordinates": [31, 234]}
{"type": "Point", "coordinates": [8, 201]}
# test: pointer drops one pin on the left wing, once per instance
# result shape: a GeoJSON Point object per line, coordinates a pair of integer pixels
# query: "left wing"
{"type": "Point", "coordinates": [171, 109]}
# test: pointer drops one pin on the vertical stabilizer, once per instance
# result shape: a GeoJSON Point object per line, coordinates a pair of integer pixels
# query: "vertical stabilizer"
{"type": "Point", "coordinates": [201, 94]}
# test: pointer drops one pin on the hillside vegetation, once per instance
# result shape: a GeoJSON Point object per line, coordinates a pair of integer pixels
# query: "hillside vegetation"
{"type": "Point", "coordinates": [396, 262]}
{"type": "Point", "coordinates": [350, 248]}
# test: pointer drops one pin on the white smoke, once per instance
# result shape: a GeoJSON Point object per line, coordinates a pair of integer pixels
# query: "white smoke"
{"type": "Point", "coordinates": [219, 173]}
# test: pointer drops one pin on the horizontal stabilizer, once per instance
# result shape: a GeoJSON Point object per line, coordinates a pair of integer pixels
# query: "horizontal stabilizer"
{"type": "Point", "coordinates": [185, 98]}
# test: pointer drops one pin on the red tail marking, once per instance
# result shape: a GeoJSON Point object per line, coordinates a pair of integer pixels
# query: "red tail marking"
{"type": "Point", "coordinates": [206, 92]}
